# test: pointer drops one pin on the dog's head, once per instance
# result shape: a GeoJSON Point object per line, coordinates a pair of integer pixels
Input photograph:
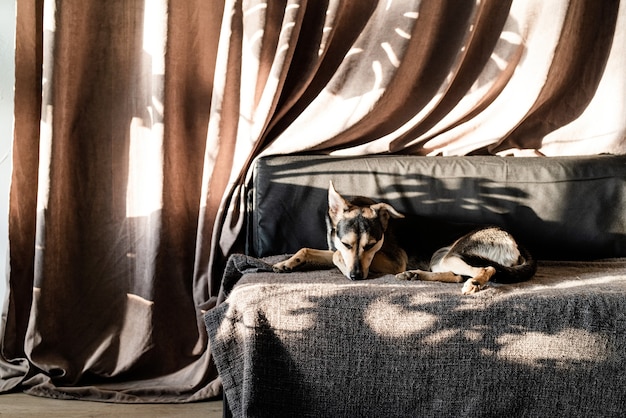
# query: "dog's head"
{"type": "Point", "coordinates": [357, 231]}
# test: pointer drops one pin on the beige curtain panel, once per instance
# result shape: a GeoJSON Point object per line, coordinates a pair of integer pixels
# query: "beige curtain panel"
{"type": "Point", "coordinates": [136, 122]}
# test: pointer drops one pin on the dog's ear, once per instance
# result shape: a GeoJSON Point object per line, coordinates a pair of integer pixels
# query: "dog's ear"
{"type": "Point", "coordinates": [385, 211]}
{"type": "Point", "coordinates": [388, 208]}
{"type": "Point", "coordinates": [336, 204]}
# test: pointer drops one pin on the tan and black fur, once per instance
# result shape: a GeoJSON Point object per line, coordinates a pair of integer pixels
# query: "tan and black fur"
{"type": "Point", "coordinates": [359, 242]}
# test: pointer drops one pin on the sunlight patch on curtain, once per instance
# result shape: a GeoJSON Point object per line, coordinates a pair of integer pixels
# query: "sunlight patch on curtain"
{"type": "Point", "coordinates": [45, 141]}
{"type": "Point", "coordinates": [144, 194]}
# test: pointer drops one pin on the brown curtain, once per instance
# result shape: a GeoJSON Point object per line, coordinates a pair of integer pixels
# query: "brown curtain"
{"type": "Point", "coordinates": [136, 122]}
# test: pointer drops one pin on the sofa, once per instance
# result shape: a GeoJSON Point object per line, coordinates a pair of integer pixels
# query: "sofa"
{"type": "Point", "coordinates": [313, 343]}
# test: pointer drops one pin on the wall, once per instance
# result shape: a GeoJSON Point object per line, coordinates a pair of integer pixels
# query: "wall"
{"type": "Point", "coordinates": [7, 76]}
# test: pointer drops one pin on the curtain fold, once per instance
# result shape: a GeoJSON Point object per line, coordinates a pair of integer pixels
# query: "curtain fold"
{"type": "Point", "coordinates": [136, 124]}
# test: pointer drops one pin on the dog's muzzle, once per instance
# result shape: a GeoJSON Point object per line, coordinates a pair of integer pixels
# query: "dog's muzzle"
{"type": "Point", "coordinates": [357, 273]}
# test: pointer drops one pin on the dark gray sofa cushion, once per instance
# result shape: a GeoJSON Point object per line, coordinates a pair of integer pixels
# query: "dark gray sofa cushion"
{"type": "Point", "coordinates": [561, 208]}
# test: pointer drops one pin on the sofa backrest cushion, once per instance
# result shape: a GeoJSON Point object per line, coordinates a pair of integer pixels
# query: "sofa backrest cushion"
{"type": "Point", "coordinates": [560, 208]}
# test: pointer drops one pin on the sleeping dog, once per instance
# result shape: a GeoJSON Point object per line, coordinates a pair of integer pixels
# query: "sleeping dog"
{"type": "Point", "coordinates": [357, 244]}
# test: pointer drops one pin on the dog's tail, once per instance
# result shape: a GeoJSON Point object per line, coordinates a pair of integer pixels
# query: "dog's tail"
{"type": "Point", "coordinates": [521, 272]}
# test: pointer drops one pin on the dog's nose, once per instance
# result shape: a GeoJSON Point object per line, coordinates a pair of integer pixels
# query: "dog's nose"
{"type": "Point", "coordinates": [356, 275]}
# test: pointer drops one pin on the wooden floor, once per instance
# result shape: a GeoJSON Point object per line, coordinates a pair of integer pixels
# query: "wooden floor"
{"type": "Point", "coordinates": [21, 405]}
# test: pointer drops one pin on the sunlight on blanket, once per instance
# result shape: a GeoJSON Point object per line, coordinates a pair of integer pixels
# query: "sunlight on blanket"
{"type": "Point", "coordinates": [380, 313]}
{"type": "Point", "coordinates": [290, 319]}
{"type": "Point", "coordinates": [567, 284]}
{"type": "Point", "coordinates": [283, 315]}
{"type": "Point", "coordinates": [541, 349]}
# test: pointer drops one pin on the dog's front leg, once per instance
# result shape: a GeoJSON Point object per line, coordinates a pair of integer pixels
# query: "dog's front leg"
{"type": "Point", "coordinates": [445, 277]}
{"type": "Point", "coordinates": [323, 258]}
{"type": "Point", "coordinates": [389, 265]}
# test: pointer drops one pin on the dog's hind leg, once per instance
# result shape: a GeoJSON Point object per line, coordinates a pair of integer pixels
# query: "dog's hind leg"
{"type": "Point", "coordinates": [452, 269]}
{"type": "Point", "coordinates": [478, 276]}
{"type": "Point", "coordinates": [322, 258]}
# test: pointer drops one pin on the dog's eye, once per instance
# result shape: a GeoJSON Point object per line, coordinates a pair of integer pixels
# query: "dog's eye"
{"type": "Point", "coordinates": [369, 246]}
{"type": "Point", "coordinates": [348, 246]}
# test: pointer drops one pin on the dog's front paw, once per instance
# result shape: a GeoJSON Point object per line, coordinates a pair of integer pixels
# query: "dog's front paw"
{"type": "Point", "coordinates": [471, 286]}
{"type": "Point", "coordinates": [288, 265]}
{"type": "Point", "coordinates": [281, 267]}
{"type": "Point", "coordinates": [409, 275]}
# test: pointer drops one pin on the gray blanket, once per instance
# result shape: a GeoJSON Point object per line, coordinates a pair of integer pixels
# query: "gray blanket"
{"type": "Point", "coordinates": [316, 344]}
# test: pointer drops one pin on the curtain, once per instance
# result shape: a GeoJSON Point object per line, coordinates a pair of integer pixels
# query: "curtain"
{"type": "Point", "coordinates": [137, 121]}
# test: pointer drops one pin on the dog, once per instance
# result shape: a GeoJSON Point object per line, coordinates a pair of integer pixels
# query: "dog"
{"type": "Point", "coordinates": [359, 241]}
